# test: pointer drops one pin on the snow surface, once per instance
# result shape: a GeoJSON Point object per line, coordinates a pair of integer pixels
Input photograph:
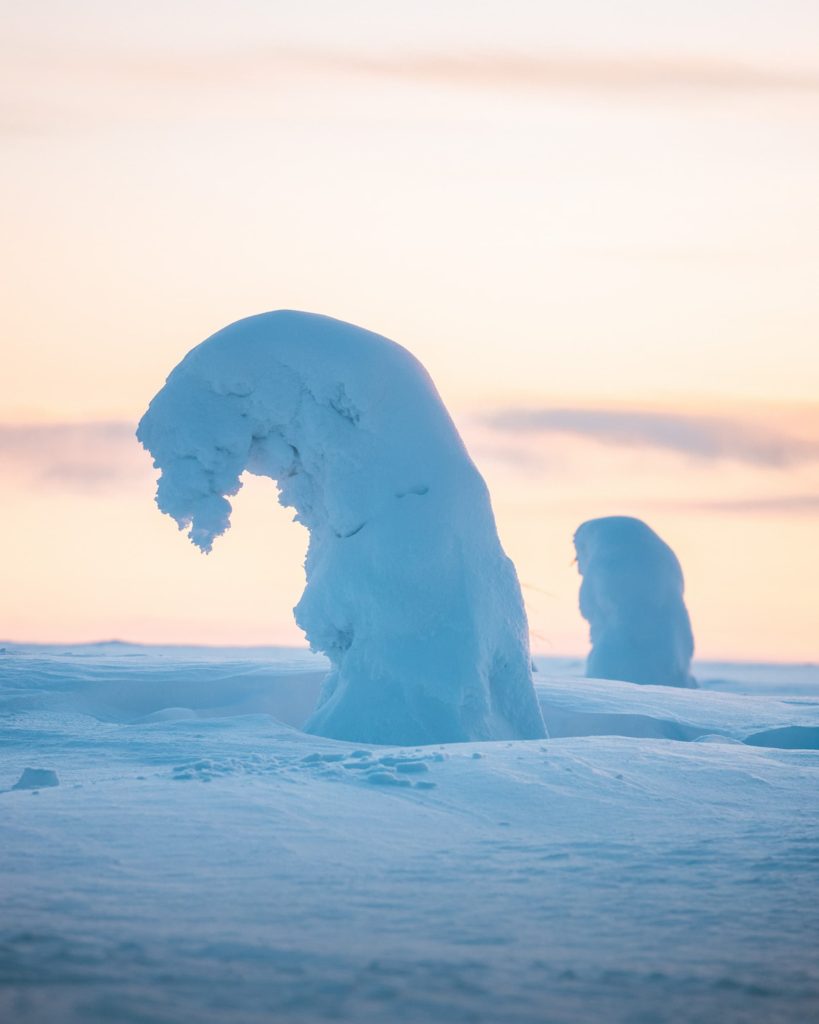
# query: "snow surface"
{"type": "Point", "coordinates": [632, 598]}
{"type": "Point", "coordinates": [408, 593]}
{"type": "Point", "coordinates": [203, 860]}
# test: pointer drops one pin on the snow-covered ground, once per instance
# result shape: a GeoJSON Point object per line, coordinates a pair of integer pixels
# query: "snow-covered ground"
{"type": "Point", "coordinates": [204, 860]}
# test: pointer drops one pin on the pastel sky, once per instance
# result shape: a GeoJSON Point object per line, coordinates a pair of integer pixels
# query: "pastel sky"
{"type": "Point", "coordinates": [596, 224]}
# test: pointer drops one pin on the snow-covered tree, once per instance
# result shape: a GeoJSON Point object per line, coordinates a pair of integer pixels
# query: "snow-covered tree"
{"type": "Point", "coordinates": [408, 591]}
{"type": "Point", "coordinates": [632, 597]}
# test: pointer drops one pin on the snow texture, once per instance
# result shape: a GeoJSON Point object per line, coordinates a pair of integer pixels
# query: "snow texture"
{"type": "Point", "coordinates": [224, 866]}
{"type": "Point", "coordinates": [408, 591]}
{"type": "Point", "coordinates": [632, 598]}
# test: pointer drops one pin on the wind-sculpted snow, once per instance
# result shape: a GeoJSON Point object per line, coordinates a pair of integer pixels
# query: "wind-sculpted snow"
{"type": "Point", "coordinates": [138, 685]}
{"type": "Point", "coordinates": [220, 866]}
{"type": "Point", "coordinates": [408, 590]}
{"type": "Point", "coordinates": [632, 598]}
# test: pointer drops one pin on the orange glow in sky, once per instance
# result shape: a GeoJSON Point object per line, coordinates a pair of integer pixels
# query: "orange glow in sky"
{"type": "Point", "coordinates": [588, 208]}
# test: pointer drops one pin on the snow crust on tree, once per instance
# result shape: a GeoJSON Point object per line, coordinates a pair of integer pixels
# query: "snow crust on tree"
{"type": "Point", "coordinates": [632, 596]}
{"type": "Point", "coordinates": [408, 591]}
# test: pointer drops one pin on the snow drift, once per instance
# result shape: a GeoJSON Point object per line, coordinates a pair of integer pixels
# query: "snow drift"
{"type": "Point", "coordinates": [632, 598]}
{"type": "Point", "coordinates": [409, 593]}
{"type": "Point", "coordinates": [228, 868]}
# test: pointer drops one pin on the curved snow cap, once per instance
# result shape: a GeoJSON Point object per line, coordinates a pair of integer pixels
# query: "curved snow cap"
{"type": "Point", "coordinates": [408, 590]}
{"type": "Point", "coordinates": [632, 597]}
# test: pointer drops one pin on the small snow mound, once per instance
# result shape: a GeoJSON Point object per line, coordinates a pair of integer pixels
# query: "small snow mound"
{"type": "Point", "coordinates": [37, 778]}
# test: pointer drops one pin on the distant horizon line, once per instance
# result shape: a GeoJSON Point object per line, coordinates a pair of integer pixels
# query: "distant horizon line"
{"type": "Point", "coordinates": [116, 642]}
